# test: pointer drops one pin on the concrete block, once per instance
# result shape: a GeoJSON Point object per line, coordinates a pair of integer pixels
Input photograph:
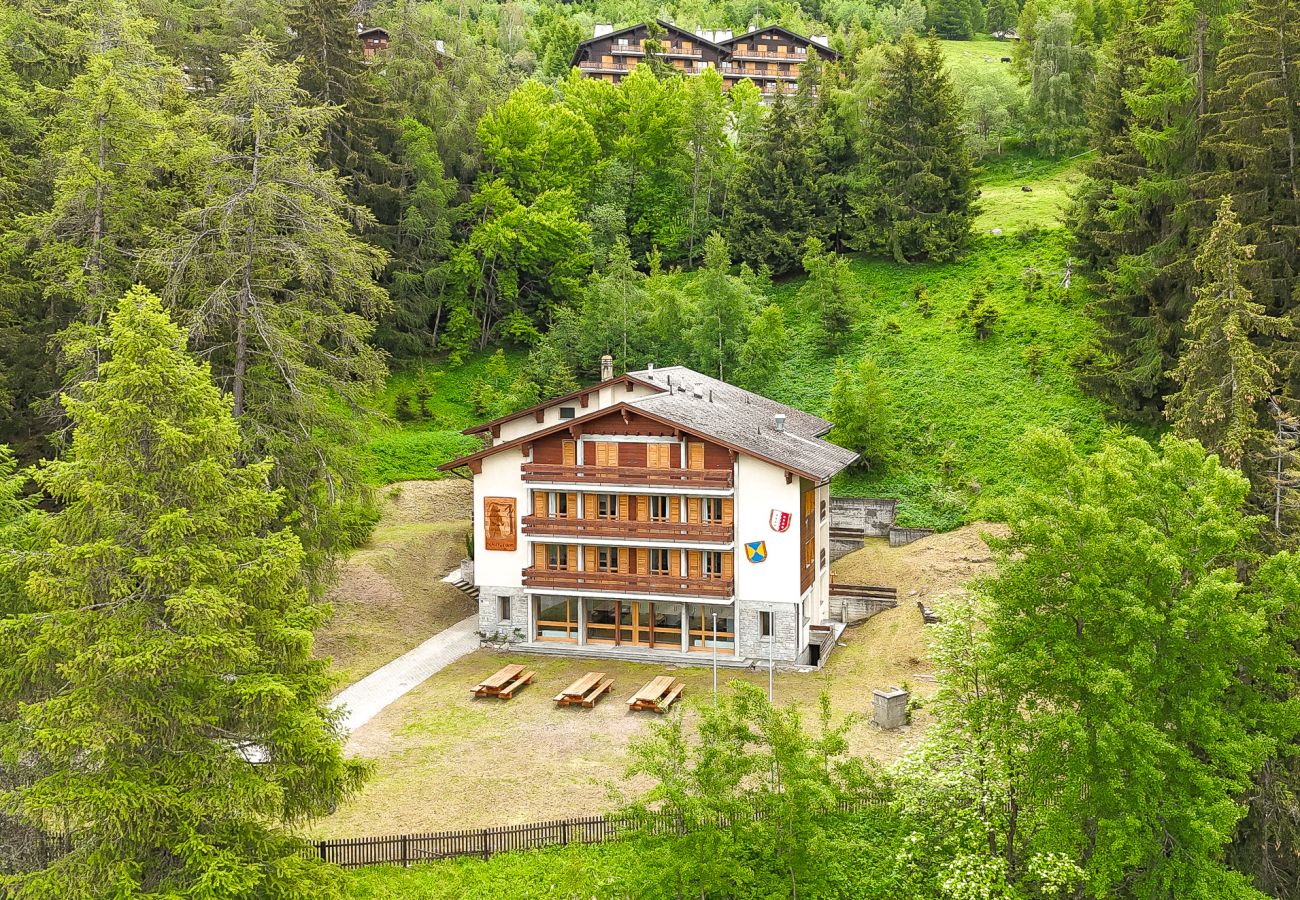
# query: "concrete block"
{"type": "Point", "coordinates": [889, 707]}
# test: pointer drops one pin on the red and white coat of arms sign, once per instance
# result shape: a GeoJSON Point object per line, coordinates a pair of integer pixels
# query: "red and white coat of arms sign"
{"type": "Point", "coordinates": [780, 520]}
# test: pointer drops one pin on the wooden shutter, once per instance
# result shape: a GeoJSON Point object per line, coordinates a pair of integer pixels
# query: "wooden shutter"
{"type": "Point", "coordinates": [695, 455]}
{"type": "Point", "coordinates": [539, 555]}
{"type": "Point", "coordinates": [589, 507]}
{"type": "Point", "coordinates": [674, 509]}
{"type": "Point", "coordinates": [693, 510]}
{"type": "Point", "coordinates": [727, 511]}
{"type": "Point", "coordinates": [569, 451]}
{"type": "Point", "coordinates": [642, 560]}
{"type": "Point", "coordinates": [693, 565]}
{"type": "Point", "coordinates": [573, 505]}
{"type": "Point", "coordinates": [643, 509]}
{"type": "Point", "coordinates": [623, 504]}
{"type": "Point", "coordinates": [591, 559]}
{"type": "Point", "coordinates": [539, 504]}
{"type": "Point", "coordinates": [675, 563]}
{"type": "Point", "coordinates": [727, 566]}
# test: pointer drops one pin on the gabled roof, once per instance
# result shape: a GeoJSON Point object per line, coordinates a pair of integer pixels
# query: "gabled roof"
{"type": "Point", "coordinates": [668, 26]}
{"type": "Point", "coordinates": [554, 401]}
{"type": "Point", "coordinates": [802, 38]}
{"type": "Point", "coordinates": [713, 410]}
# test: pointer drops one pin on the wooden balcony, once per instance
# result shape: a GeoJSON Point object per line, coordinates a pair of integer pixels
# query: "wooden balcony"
{"type": "Point", "coordinates": [603, 582]}
{"type": "Point", "coordinates": [624, 528]}
{"type": "Point", "coordinates": [601, 68]}
{"type": "Point", "coordinates": [797, 55]}
{"type": "Point", "coordinates": [630, 475]}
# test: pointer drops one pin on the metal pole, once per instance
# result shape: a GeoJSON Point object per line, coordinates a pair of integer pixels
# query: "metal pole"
{"type": "Point", "coordinates": [715, 660]}
{"type": "Point", "coordinates": [771, 661]}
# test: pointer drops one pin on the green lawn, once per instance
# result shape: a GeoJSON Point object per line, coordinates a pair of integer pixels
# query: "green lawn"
{"type": "Point", "coordinates": [983, 50]}
{"type": "Point", "coordinates": [1004, 203]}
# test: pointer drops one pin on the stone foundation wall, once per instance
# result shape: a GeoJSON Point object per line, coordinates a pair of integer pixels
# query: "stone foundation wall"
{"type": "Point", "coordinates": [900, 536]}
{"type": "Point", "coordinates": [785, 631]}
{"type": "Point", "coordinates": [851, 610]}
{"type": "Point", "coordinates": [490, 622]}
{"type": "Point", "coordinates": [871, 516]}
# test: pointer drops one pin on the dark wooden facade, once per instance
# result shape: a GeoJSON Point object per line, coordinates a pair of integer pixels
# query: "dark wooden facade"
{"type": "Point", "coordinates": [770, 57]}
{"type": "Point", "coordinates": [373, 41]}
{"type": "Point", "coordinates": [611, 56]}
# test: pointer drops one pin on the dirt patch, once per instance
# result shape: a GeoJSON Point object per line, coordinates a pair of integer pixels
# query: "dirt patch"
{"type": "Point", "coordinates": [390, 596]}
{"type": "Point", "coordinates": [923, 569]}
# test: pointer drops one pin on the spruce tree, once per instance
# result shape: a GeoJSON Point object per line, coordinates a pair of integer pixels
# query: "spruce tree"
{"type": "Point", "coordinates": [772, 204]}
{"type": "Point", "coordinates": [827, 294]}
{"type": "Point", "coordinates": [359, 140]}
{"type": "Point", "coordinates": [1225, 378]}
{"type": "Point", "coordinates": [279, 292]}
{"type": "Point", "coordinates": [174, 722]}
{"type": "Point", "coordinates": [914, 194]}
{"type": "Point", "coordinates": [1254, 133]}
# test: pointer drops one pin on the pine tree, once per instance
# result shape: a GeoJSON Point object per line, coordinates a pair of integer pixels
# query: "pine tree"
{"type": "Point", "coordinates": [120, 149]}
{"type": "Point", "coordinates": [174, 719]}
{"type": "Point", "coordinates": [772, 203]}
{"type": "Point", "coordinates": [914, 193]}
{"type": "Point", "coordinates": [863, 412]}
{"type": "Point", "coordinates": [1252, 142]}
{"type": "Point", "coordinates": [827, 293]}
{"type": "Point", "coordinates": [724, 305]}
{"type": "Point", "coordinates": [764, 350]}
{"type": "Point", "coordinates": [1224, 377]}
{"type": "Point", "coordinates": [280, 292]}
{"type": "Point", "coordinates": [359, 140]}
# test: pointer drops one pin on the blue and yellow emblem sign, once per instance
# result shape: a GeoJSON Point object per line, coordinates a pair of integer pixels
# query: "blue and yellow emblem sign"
{"type": "Point", "coordinates": [757, 551]}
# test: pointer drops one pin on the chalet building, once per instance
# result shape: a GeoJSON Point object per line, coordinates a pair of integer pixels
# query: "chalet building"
{"type": "Point", "coordinates": [770, 57]}
{"type": "Point", "coordinates": [660, 514]}
{"type": "Point", "coordinates": [373, 40]}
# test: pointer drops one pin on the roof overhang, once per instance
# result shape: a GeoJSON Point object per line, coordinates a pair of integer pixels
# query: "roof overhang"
{"type": "Point", "coordinates": [579, 395]}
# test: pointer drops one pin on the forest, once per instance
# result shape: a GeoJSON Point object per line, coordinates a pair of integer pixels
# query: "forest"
{"type": "Point", "coordinates": [248, 273]}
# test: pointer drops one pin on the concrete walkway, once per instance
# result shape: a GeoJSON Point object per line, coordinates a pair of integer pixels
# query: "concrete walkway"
{"type": "Point", "coordinates": [365, 699]}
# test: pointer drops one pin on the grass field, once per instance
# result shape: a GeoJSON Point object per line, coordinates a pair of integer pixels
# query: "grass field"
{"type": "Point", "coordinates": [961, 403]}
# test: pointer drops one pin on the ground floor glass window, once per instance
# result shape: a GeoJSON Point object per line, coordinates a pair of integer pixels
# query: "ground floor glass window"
{"type": "Point", "coordinates": [557, 619]}
{"type": "Point", "coordinates": [702, 628]}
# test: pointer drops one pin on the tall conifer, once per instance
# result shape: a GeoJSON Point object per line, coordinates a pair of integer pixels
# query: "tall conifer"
{"type": "Point", "coordinates": [174, 720]}
{"type": "Point", "coordinates": [915, 196]}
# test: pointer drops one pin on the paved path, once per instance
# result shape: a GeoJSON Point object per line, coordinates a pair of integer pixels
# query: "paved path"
{"type": "Point", "coordinates": [365, 699]}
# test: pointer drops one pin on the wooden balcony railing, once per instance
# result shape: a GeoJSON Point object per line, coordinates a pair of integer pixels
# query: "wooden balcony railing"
{"type": "Point", "coordinates": [668, 585]}
{"type": "Point", "coordinates": [623, 528]}
{"type": "Point", "coordinates": [798, 55]}
{"type": "Point", "coordinates": [589, 66]}
{"type": "Point", "coordinates": [636, 475]}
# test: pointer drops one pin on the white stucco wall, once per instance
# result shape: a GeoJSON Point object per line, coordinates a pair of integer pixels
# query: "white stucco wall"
{"type": "Point", "coordinates": [501, 477]}
{"type": "Point", "coordinates": [598, 400]}
{"type": "Point", "coordinates": [760, 488]}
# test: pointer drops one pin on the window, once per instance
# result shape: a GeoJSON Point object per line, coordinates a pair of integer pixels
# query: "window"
{"type": "Point", "coordinates": [659, 456]}
{"type": "Point", "coordinates": [557, 619]}
{"type": "Point", "coordinates": [567, 412]}
{"type": "Point", "coordinates": [658, 509]}
{"type": "Point", "coordinates": [607, 559]}
{"type": "Point", "coordinates": [712, 509]}
{"type": "Point", "coordinates": [503, 609]}
{"type": "Point", "coordinates": [606, 506]}
{"type": "Point", "coordinates": [659, 562]}
{"type": "Point", "coordinates": [606, 453]}
{"type": "Point", "coordinates": [558, 505]}
{"type": "Point", "coordinates": [557, 557]}
{"type": "Point", "coordinates": [765, 624]}
{"type": "Point", "coordinates": [713, 564]}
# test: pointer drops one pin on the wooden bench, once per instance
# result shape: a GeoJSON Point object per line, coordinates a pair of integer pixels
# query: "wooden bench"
{"type": "Point", "coordinates": [586, 691]}
{"type": "Point", "coordinates": [658, 694]}
{"type": "Point", "coordinates": [503, 683]}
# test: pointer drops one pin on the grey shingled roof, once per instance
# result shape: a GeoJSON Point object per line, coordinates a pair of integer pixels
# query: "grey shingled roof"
{"type": "Point", "coordinates": [743, 419]}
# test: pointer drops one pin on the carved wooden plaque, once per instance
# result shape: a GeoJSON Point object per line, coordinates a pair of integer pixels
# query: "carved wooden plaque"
{"type": "Point", "coordinates": [499, 529]}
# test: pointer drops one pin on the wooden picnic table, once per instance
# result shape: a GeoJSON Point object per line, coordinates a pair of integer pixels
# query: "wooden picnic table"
{"type": "Point", "coordinates": [658, 694]}
{"type": "Point", "coordinates": [586, 691]}
{"type": "Point", "coordinates": [503, 683]}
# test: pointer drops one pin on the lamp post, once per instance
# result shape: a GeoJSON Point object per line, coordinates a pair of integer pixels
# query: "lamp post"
{"type": "Point", "coordinates": [715, 660]}
{"type": "Point", "coordinates": [771, 661]}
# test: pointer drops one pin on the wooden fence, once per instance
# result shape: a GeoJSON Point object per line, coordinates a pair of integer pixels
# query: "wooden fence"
{"type": "Point", "coordinates": [405, 849]}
